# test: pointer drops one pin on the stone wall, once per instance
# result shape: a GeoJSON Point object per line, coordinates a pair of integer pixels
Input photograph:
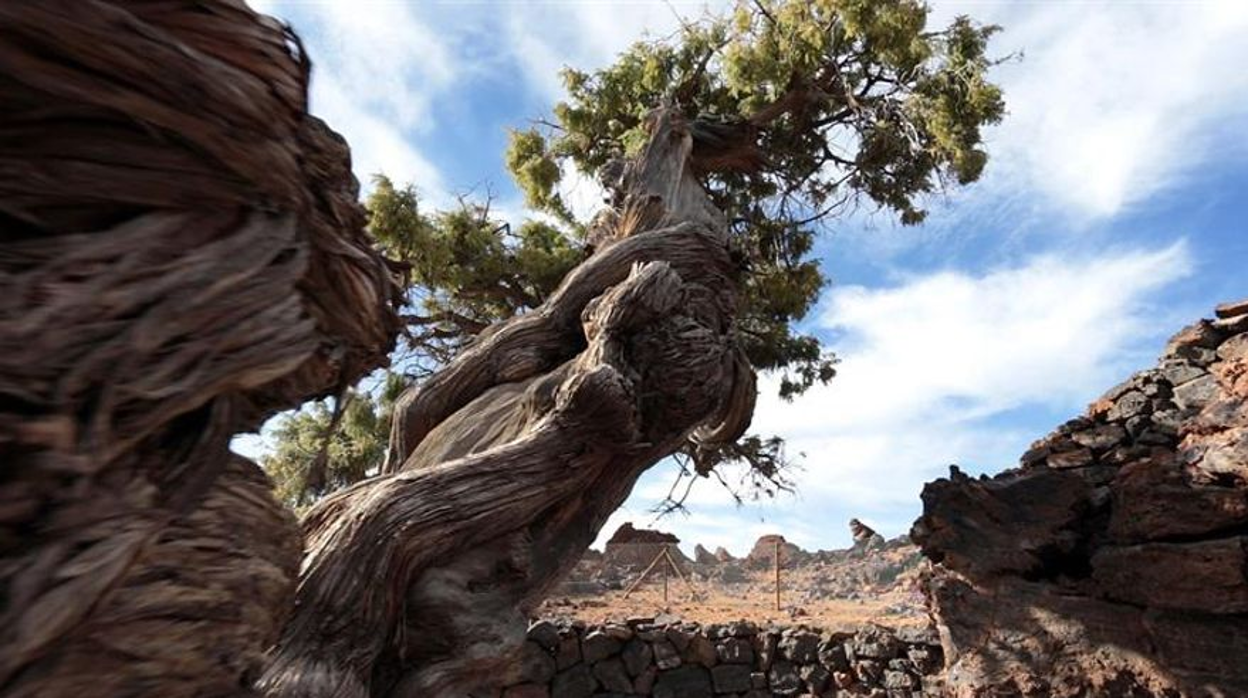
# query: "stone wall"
{"type": "Point", "coordinates": [1114, 560]}
{"type": "Point", "coordinates": [640, 658]}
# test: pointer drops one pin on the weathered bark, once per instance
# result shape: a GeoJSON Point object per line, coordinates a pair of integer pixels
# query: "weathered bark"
{"type": "Point", "coordinates": [505, 464]}
{"type": "Point", "coordinates": [181, 255]}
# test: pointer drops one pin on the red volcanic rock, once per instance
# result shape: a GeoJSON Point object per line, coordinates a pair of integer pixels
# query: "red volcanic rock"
{"type": "Point", "coordinates": [1205, 576]}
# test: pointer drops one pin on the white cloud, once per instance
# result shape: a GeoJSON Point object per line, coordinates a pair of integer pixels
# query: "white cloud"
{"type": "Point", "coordinates": [377, 70]}
{"type": "Point", "coordinates": [377, 147]}
{"type": "Point", "coordinates": [384, 56]}
{"type": "Point", "coordinates": [589, 34]}
{"type": "Point", "coordinates": [929, 368]}
{"type": "Point", "coordinates": [1112, 102]}
{"type": "Point", "coordinates": [929, 363]}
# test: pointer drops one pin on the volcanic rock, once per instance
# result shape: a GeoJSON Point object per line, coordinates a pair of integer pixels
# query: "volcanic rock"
{"type": "Point", "coordinates": [865, 537]}
{"type": "Point", "coordinates": [632, 548]}
{"type": "Point", "coordinates": [763, 554]}
{"type": "Point", "coordinates": [1118, 569]}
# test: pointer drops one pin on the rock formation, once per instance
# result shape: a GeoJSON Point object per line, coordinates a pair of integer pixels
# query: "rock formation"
{"type": "Point", "coordinates": [632, 548]}
{"type": "Point", "coordinates": [763, 554]}
{"type": "Point", "coordinates": [626, 533]}
{"type": "Point", "coordinates": [865, 537]}
{"type": "Point", "coordinates": [702, 556]}
{"type": "Point", "coordinates": [1113, 561]}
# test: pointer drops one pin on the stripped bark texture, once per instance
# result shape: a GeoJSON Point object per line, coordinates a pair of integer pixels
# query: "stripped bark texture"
{"type": "Point", "coordinates": [181, 255]}
{"type": "Point", "coordinates": [505, 465]}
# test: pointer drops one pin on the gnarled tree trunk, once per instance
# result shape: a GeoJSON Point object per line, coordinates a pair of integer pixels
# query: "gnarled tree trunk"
{"type": "Point", "coordinates": [181, 255]}
{"type": "Point", "coordinates": [505, 464]}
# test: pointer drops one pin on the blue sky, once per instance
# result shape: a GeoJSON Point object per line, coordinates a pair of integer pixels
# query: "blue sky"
{"type": "Point", "coordinates": [1112, 212]}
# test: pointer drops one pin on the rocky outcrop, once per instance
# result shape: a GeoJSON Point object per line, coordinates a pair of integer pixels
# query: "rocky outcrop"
{"type": "Point", "coordinates": [865, 537]}
{"type": "Point", "coordinates": [632, 548]}
{"type": "Point", "coordinates": [1113, 560]}
{"type": "Point", "coordinates": [626, 533]}
{"type": "Point", "coordinates": [685, 660]}
{"type": "Point", "coordinates": [702, 556]}
{"type": "Point", "coordinates": [763, 554]}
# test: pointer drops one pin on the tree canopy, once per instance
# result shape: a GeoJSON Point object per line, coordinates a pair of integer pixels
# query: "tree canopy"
{"type": "Point", "coordinates": [801, 110]}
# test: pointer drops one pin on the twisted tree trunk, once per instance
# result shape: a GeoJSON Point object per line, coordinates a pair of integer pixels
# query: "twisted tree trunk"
{"type": "Point", "coordinates": [505, 465]}
{"type": "Point", "coordinates": [181, 255]}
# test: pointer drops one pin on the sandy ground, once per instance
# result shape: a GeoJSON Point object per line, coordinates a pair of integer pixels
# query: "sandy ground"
{"type": "Point", "coordinates": [754, 601]}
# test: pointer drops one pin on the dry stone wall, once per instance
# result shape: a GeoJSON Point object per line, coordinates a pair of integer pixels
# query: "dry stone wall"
{"type": "Point", "coordinates": [678, 660]}
{"type": "Point", "coordinates": [1114, 560]}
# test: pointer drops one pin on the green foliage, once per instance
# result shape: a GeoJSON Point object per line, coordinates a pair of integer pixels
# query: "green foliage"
{"type": "Point", "coordinates": [306, 438]}
{"type": "Point", "coordinates": [842, 101]}
{"type": "Point", "coordinates": [852, 101]}
{"type": "Point", "coordinates": [537, 174]}
{"type": "Point", "coordinates": [800, 110]}
{"type": "Point", "coordinates": [466, 269]}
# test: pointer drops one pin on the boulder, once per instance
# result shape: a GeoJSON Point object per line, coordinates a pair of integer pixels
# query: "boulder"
{"type": "Point", "coordinates": [612, 676]}
{"type": "Point", "coordinates": [684, 682]}
{"type": "Point", "coordinates": [785, 679]}
{"type": "Point", "coordinates": [735, 650]}
{"type": "Point", "coordinates": [800, 646]}
{"type": "Point", "coordinates": [577, 682]}
{"type": "Point", "coordinates": [545, 634]}
{"type": "Point", "coordinates": [637, 656]}
{"type": "Point", "coordinates": [597, 646]}
{"type": "Point", "coordinates": [731, 678]}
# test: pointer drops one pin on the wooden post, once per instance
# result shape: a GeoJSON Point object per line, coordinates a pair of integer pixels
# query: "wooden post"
{"type": "Point", "coordinates": [666, 564]}
{"type": "Point", "coordinates": [646, 573]}
{"type": "Point", "coordinates": [777, 573]}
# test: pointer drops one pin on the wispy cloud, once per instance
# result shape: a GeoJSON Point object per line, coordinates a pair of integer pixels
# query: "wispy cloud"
{"type": "Point", "coordinates": [378, 69]}
{"type": "Point", "coordinates": [1112, 103]}
{"type": "Point", "coordinates": [377, 146]}
{"type": "Point", "coordinates": [930, 367]}
{"type": "Point", "coordinates": [930, 364]}
{"type": "Point", "coordinates": [588, 35]}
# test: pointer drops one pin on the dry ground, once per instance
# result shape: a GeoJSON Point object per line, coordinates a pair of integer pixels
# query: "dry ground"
{"type": "Point", "coordinates": [706, 602]}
